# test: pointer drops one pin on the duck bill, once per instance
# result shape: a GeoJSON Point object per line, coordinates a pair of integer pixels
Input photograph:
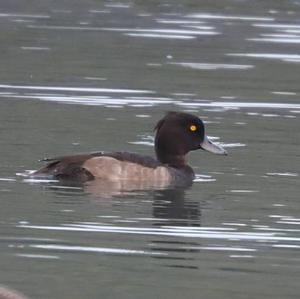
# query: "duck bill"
{"type": "Point", "coordinates": [209, 146]}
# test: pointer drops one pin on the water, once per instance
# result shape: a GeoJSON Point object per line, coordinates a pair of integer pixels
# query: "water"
{"type": "Point", "coordinates": [97, 76]}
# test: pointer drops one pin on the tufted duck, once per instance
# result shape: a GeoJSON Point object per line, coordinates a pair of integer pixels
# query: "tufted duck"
{"type": "Point", "coordinates": [176, 134]}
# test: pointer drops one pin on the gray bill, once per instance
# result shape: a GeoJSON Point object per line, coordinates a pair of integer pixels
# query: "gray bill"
{"type": "Point", "coordinates": [212, 147]}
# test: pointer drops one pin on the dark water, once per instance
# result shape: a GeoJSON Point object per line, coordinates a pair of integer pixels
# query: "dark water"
{"type": "Point", "coordinates": [93, 75]}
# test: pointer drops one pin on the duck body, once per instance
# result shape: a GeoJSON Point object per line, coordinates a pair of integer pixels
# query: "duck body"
{"type": "Point", "coordinates": [176, 134]}
{"type": "Point", "coordinates": [115, 166]}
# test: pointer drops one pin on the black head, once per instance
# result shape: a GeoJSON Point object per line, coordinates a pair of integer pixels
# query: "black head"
{"type": "Point", "coordinates": [177, 134]}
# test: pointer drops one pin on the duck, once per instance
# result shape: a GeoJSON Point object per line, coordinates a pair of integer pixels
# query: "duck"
{"type": "Point", "coordinates": [177, 133]}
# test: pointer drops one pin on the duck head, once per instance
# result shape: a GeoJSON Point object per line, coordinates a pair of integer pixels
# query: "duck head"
{"type": "Point", "coordinates": [178, 133]}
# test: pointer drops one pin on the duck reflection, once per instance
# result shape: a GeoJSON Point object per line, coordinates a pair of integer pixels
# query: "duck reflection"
{"type": "Point", "coordinates": [110, 189]}
{"type": "Point", "coordinates": [171, 208]}
{"type": "Point", "coordinates": [169, 205]}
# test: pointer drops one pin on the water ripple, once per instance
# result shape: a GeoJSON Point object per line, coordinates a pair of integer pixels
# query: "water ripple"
{"type": "Point", "coordinates": [24, 16]}
{"type": "Point", "coordinates": [213, 66]}
{"type": "Point", "coordinates": [280, 56]}
{"type": "Point", "coordinates": [228, 17]}
{"type": "Point", "coordinates": [174, 231]}
{"type": "Point", "coordinates": [94, 249]}
{"type": "Point", "coordinates": [79, 89]}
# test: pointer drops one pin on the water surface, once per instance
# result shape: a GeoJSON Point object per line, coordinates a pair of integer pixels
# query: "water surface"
{"type": "Point", "coordinates": [97, 75]}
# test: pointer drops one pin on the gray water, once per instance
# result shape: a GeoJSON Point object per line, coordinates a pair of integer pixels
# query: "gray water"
{"type": "Point", "coordinates": [97, 75]}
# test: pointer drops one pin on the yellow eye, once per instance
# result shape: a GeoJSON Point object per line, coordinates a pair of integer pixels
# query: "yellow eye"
{"type": "Point", "coordinates": [193, 128]}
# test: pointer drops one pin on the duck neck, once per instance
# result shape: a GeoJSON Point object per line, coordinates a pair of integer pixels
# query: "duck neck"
{"type": "Point", "coordinates": [176, 161]}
